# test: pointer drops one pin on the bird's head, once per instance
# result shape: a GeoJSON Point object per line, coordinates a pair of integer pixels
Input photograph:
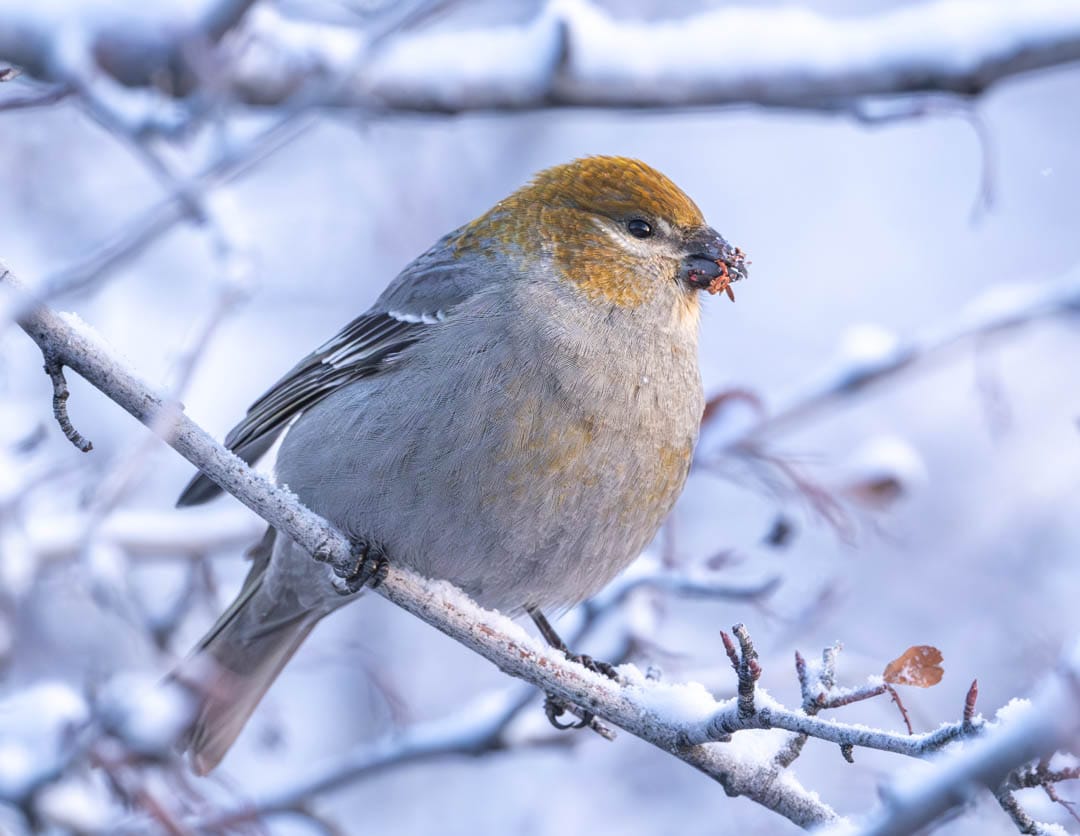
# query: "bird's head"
{"type": "Point", "coordinates": [617, 229]}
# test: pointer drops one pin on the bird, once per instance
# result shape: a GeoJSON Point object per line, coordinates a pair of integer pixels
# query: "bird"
{"type": "Point", "coordinates": [516, 414]}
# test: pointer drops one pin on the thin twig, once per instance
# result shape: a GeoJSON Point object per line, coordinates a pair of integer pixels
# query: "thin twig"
{"type": "Point", "coordinates": [1020, 817]}
{"type": "Point", "coordinates": [969, 702]}
{"type": "Point", "coordinates": [55, 370]}
{"type": "Point", "coordinates": [903, 711]}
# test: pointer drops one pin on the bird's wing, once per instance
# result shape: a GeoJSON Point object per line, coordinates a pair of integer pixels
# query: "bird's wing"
{"type": "Point", "coordinates": [422, 296]}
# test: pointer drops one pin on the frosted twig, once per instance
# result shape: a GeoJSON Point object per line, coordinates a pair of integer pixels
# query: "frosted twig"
{"type": "Point", "coordinates": [905, 108]}
{"type": "Point", "coordinates": [111, 758]}
{"type": "Point", "coordinates": [55, 370]}
{"type": "Point", "coordinates": [123, 471]}
{"type": "Point", "coordinates": [481, 727]}
{"type": "Point", "coordinates": [1052, 794]}
{"type": "Point", "coordinates": [1052, 720]}
{"type": "Point", "coordinates": [1041, 774]}
{"type": "Point", "coordinates": [1020, 817]}
{"type": "Point", "coordinates": [822, 694]}
{"type": "Point", "coordinates": [746, 666]}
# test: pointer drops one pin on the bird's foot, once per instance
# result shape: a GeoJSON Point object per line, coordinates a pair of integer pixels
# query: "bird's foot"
{"type": "Point", "coordinates": [556, 707]}
{"type": "Point", "coordinates": [369, 568]}
{"type": "Point", "coordinates": [589, 663]}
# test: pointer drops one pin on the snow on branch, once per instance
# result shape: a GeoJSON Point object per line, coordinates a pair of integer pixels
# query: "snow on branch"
{"type": "Point", "coordinates": [684, 720]}
{"type": "Point", "coordinates": [573, 54]}
{"type": "Point", "coordinates": [1034, 731]}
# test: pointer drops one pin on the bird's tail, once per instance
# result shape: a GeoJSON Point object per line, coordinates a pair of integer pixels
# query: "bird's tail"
{"type": "Point", "coordinates": [237, 661]}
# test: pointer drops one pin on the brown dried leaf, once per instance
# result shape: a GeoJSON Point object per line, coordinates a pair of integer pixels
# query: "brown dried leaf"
{"type": "Point", "coordinates": [919, 665]}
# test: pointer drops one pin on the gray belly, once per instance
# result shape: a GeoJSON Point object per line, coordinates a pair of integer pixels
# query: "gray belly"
{"type": "Point", "coordinates": [501, 477]}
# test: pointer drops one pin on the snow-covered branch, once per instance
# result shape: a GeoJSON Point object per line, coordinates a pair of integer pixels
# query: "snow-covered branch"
{"type": "Point", "coordinates": [1048, 723]}
{"type": "Point", "coordinates": [134, 46]}
{"type": "Point", "coordinates": [682, 719]}
{"type": "Point", "coordinates": [573, 54]}
{"type": "Point", "coordinates": [653, 712]}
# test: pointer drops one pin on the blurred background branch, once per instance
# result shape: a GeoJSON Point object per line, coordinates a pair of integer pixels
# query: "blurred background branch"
{"type": "Point", "coordinates": [573, 53]}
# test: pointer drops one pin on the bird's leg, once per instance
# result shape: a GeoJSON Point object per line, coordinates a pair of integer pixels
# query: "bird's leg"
{"type": "Point", "coordinates": [555, 707]}
{"type": "Point", "coordinates": [553, 639]}
{"type": "Point", "coordinates": [369, 568]}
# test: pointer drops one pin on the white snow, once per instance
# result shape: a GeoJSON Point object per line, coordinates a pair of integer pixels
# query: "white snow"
{"type": "Point", "coordinates": [682, 704]}
{"type": "Point", "coordinates": [337, 48]}
{"type": "Point", "coordinates": [1013, 710]}
{"type": "Point", "coordinates": [888, 457]}
{"type": "Point", "coordinates": [91, 335]}
{"type": "Point", "coordinates": [1052, 829]}
{"type": "Point", "coordinates": [35, 724]}
{"type": "Point", "coordinates": [1064, 760]}
{"type": "Point", "coordinates": [106, 563]}
{"type": "Point", "coordinates": [756, 747]}
{"type": "Point", "coordinates": [147, 714]}
{"type": "Point", "coordinates": [736, 45]}
{"type": "Point", "coordinates": [75, 805]}
{"type": "Point", "coordinates": [441, 68]}
{"type": "Point", "coordinates": [867, 345]}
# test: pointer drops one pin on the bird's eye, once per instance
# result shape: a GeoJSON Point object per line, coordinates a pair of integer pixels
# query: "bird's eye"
{"type": "Point", "coordinates": [639, 228]}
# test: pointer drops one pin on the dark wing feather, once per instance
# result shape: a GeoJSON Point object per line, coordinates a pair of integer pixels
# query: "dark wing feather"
{"type": "Point", "coordinates": [361, 349]}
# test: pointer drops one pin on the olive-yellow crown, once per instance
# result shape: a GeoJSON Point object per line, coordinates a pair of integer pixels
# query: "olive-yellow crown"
{"type": "Point", "coordinates": [575, 212]}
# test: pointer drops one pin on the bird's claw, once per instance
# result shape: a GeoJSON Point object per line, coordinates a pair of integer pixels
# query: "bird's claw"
{"type": "Point", "coordinates": [555, 707]}
{"type": "Point", "coordinates": [589, 663]}
{"type": "Point", "coordinates": [369, 568]}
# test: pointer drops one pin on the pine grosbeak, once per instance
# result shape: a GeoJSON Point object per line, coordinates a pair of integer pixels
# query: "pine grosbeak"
{"type": "Point", "coordinates": [516, 414]}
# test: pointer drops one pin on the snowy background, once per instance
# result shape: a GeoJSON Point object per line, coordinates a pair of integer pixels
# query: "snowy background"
{"type": "Point", "coordinates": [859, 235]}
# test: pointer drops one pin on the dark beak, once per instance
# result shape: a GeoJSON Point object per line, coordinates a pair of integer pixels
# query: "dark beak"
{"type": "Point", "coordinates": [713, 264]}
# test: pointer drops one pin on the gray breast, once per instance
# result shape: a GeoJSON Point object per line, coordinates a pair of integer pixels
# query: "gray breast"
{"type": "Point", "coordinates": [526, 466]}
